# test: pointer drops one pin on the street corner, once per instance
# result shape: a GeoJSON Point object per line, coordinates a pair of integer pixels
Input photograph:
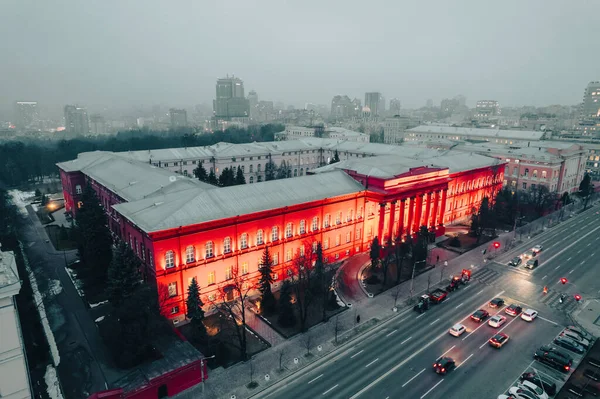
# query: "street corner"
{"type": "Point", "coordinates": [588, 316]}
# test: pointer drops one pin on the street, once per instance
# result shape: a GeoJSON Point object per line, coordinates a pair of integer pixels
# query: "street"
{"type": "Point", "coordinates": [395, 359]}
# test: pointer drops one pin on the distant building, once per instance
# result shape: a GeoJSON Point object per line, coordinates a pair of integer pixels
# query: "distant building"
{"type": "Point", "coordinates": [448, 106]}
{"type": "Point", "coordinates": [589, 114]}
{"type": "Point", "coordinates": [76, 121]}
{"type": "Point", "coordinates": [341, 107]}
{"type": "Point", "coordinates": [337, 133]}
{"type": "Point", "coordinates": [178, 118]}
{"type": "Point", "coordinates": [394, 128]}
{"type": "Point", "coordinates": [253, 104]}
{"type": "Point", "coordinates": [429, 103]}
{"type": "Point", "coordinates": [375, 102]}
{"type": "Point", "coordinates": [487, 109]}
{"type": "Point", "coordinates": [499, 136]}
{"type": "Point", "coordinates": [230, 101]}
{"type": "Point", "coordinates": [26, 114]}
{"type": "Point", "coordinates": [395, 106]}
{"type": "Point", "coordinates": [98, 125]}
{"type": "Point", "coordinates": [14, 377]}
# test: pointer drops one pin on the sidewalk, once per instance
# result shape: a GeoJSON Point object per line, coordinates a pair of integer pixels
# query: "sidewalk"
{"type": "Point", "coordinates": [589, 317]}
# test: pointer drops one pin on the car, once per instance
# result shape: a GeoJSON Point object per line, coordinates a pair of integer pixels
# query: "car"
{"type": "Point", "coordinates": [513, 310]}
{"type": "Point", "coordinates": [537, 249]}
{"type": "Point", "coordinates": [457, 330]}
{"type": "Point", "coordinates": [531, 264]}
{"type": "Point", "coordinates": [533, 388]}
{"type": "Point", "coordinates": [580, 332]}
{"type": "Point", "coordinates": [443, 365]}
{"type": "Point", "coordinates": [539, 379]}
{"type": "Point", "coordinates": [529, 315]}
{"type": "Point", "coordinates": [498, 340]}
{"type": "Point", "coordinates": [569, 344]}
{"type": "Point", "coordinates": [480, 315]}
{"type": "Point", "coordinates": [496, 303]}
{"type": "Point", "coordinates": [505, 397]}
{"type": "Point", "coordinates": [581, 341]}
{"type": "Point", "coordinates": [554, 349]}
{"type": "Point", "coordinates": [496, 321]}
{"type": "Point", "coordinates": [516, 261]}
{"type": "Point", "coordinates": [529, 254]}
{"type": "Point", "coordinates": [553, 359]}
{"type": "Point", "coordinates": [438, 295]}
{"type": "Point", "coordinates": [520, 393]}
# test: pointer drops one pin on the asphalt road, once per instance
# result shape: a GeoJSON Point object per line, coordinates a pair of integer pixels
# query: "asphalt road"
{"type": "Point", "coordinates": [396, 359]}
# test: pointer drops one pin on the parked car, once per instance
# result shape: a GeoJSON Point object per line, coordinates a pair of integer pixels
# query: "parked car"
{"type": "Point", "coordinates": [540, 379]}
{"type": "Point", "coordinates": [520, 393]}
{"type": "Point", "coordinates": [529, 315]}
{"type": "Point", "coordinates": [534, 388]}
{"type": "Point", "coordinates": [575, 337]}
{"type": "Point", "coordinates": [516, 261]}
{"type": "Point", "coordinates": [582, 333]}
{"type": "Point", "coordinates": [554, 349]}
{"type": "Point", "coordinates": [531, 264]}
{"type": "Point", "coordinates": [569, 344]}
{"type": "Point", "coordinates": [513, 310]}
{"type": "Point", "coordinates": [553, 359]}
{"type": "Point", "coordinates": [457, 330]}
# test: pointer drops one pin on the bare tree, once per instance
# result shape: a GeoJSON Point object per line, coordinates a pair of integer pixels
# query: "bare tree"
{"type": "Point", "coordinates": [307, 342]}
{"type": "Point", "coordinates": [231, 302]}
{"type": "Point", "coordinates": [302, 282]}
{"type": "Point", "coordinates": [396, 294]}
{"type": "Point", "coordinates": [252, 383]}
{"type": "Point", "coordinates": [336, 328]}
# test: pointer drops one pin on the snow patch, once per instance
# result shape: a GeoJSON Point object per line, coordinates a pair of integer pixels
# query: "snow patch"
{"type": "Point", "coordinates": [76, 282]}
{"type": "Point", "coordinates": [21, 199]}
{"type": "Point", "coordinates": [99, 319]}
{"type": "Point", "coordinates": [94, 305]}
{"type": "Point", "coordinates": [52, 384]}
{"type": "Point", "coordinates": [55, 287]}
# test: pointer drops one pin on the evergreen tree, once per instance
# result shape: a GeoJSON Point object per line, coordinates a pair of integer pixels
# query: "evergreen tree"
{"type": "Point", "coordinates": [282, 171]}
{"type": "Point", "coordinates": [270, 170]}
{"type": "Point", "coordinates": [44, 199]}
{"type": "Point", "coordinates": [336, 157]}
{"type": "Point", "coordinates": [586, 189]}
{"type": "Point", "coordinates": [320, 284]}
{"type": "Point", "coordinates": [38, 193]}
{"type": "Point", "coordinates": [287, 317]}
{"type": "Point", "coordinates": [212, 178]}
{"type": "Point", "coordinates": [227, 178]}
{"type": "Point", "coordinates": [239, 176]}
{"type": "Point", "coordinates": [194, 308]}
{"type": "Point", "coordinates": [123, 274]}
{"type": "Point", "coordinates": [264, 283]}
{"type": "Point", "coordinates": [375, 252]}
{"type": "Point", "coordinates": [200, 173]}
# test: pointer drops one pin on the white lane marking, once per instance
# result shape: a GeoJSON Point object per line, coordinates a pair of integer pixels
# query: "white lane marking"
{"type": "Point", "coordinates": [571, 271]}
{"type": "Point", "coordinates": [356, 354]}
{"type": "Point", "coordinates": [392, 332]}
{"type": "Point", "coordinates": [402, 320]}
{"type": "Point", "coordinates": [484, 344]}
{"type": "Point", "coordinates": [568, 259]}
{"type": "Point", "coordinates": [421, 315]}
{"type": "Point", "coordinates": [544, 276]}
{"type": "Point", "coordinates": [443, 354]}
{"type": "Point", "coordinates": [405, 341]}
{"type": "Point", "coordinates": [549, 321]}
{"type": "Point", "coordinates": [479, 292]}
{"type": "Point", "coordinates": [582, 262]}
{"type": "Point", "coordinates": [432, 388]}
{"type": "Point", "coordinates": [557, 267]}
{"type": "Point", "coordinates": [593, 255]}
{"type": "Point", "coordinates": [314, 379]}
{"type": "Point", "coordinates": [467, 287]}
{"type": "Point", "coordinates": [371, 362]}
{"type": "Point", "coordinates": [567, 247]}
{"type": "Point", "coordinates": [433, 322]}
{"type": "Point", "coordinates": [415, 376]}
{"type": "Point", "coordinates": [459, 305]}
{"type": "Point", "coordinates": [457, 367]}
{"type": "Point", "coordinates": [579, 251]}
{"type": "Point", "coordinates": [589, 244]}
{"type": "Point", "coordinates": [330, 389]}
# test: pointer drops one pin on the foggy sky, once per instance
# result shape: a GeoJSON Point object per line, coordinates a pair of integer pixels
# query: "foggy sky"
{"type": "Point", "coordinates": [108, 52]}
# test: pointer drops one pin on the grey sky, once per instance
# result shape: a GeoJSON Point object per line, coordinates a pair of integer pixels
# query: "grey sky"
{"type": "Point", "coordinates": [130, 52]}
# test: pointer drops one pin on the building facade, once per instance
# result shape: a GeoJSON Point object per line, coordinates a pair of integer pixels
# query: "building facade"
{"type": "Point", "coordinates": [394, 129]}
{"type": "Point", "coordinates": [487, 109]}
{"type": "Point", "coordinates": [178, 118]}
{"type": "Point", "coordinates": [230, 101]}
{"type": "Point", "coordinates": [497, 136]}
{"type": "Point", "coordinates": [27, 115]}
{"type": "Point", "coordinates": [589, 114]}
{"type": "Point", "coordinates": [375, 102]}
{"type": "Point", "coordinates": [76, 121]}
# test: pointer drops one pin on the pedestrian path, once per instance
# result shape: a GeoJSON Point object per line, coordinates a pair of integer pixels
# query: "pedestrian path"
{"type": "Point", "coordinates": [262, 328]}
{"type": "Point", "coordinates": [552, 299]}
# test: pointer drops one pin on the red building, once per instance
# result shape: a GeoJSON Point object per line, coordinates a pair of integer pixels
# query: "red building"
{"type": "Point", "coordinates": [182, 228]}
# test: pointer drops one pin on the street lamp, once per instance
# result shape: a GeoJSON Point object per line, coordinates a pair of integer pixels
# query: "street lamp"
{"type": "Point", "coordinates": [202, 368]}
{"type": "Point", "coordinates": [412, 279]}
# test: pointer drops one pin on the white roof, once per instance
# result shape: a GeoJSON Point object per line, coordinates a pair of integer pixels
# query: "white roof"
{"type": "Point", "coordinates": [475, 132]}
{"type": "Point", "coordinates": [9, 277]}
{"type": "Point", "coordinates": [197, 206]}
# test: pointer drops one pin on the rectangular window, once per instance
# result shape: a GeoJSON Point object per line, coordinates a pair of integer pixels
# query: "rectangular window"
{"type": "Point", "coordinates": [288, 230]}
{"type": "Point", "coordinates": [302, 229]}
{"type": "Point", "coordinates": [524, 186]}
{"type": "Point", "coordinates": [209, 249]}
{"type": "Point", "coordinates": [172, 289]}
{"type": "Point", "coordinates": [274, 234]}
{"type": "Point", "coordinates": [302, 250]}
{"type": "Point", "coordinates": [244, 268]}
{"type": "Point", "coordinates": [338, 218]}
{"type": "Point", "coordinates": [211, 278]}
{"type": "Point", "coordinates": [275, 259]}
{"type": "Point", "coordinates": [326, 243]}
{"type": "Point", "coordinates": [175, 310]}
{"type": "Point", "coordinates": [244, 241]}
{"type": "Point", "coordinates": [543, 174]}
{"type": "Point", "coordinates": [358, 231]}
{"type": "Point", "coordinates": [349, 215]}
{"type": "Point", "coordinates": [170, 259]}
{"type": "Point", "coordinates": [314, 246]}
{"type": "Point", "coordinates": [78, 189]}
{"type": "Point", "coordinates": [348, 237]}
{"type": "Point", "coordinates": [227, 245]}
{"type": "Point", "coordinates": [360, 213]}
{"type": "Point", "coordinates": [288, 255]}
{"type": "Point", "coordinates": [228, 273]}
{"type": "Point", "coordinates": [326, 221]}
{"type": "Point", "coordinates": [315, 224]}
{"type": "Point", "coordinates": [259, 237]}
{"type": "Point", "coordinates": [338, 240]}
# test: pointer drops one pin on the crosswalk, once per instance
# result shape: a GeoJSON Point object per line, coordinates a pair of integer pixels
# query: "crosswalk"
{"type": "Point", "coordinates": [552, 299]}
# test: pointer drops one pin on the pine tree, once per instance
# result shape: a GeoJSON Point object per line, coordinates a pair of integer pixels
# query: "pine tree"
{"type": "Point", "coordinates": [123, 274]}
{"type": "Point", "coordinates": [194, 308]}
{"type": "Point", "coordinates": [375, 252]}
{"type": "Point", "coordinates": [336, 157]}
{"type": "Point", "coordinates": [270, 170]}
{"type": "Point", "coordinates": [287, 317]}
{"type": "Point", "coordinates": [264, 283]}
{"type": "Point", "coordinates": [320, 284]}
{"type": "Point", "coordinates": [200, 173]}
{"type": "Point", "coordinates": [239, 176]}
{"type": "Point", "coordinates": [282, 171]}
{"type": "Point", "coordinates": [212, 178]}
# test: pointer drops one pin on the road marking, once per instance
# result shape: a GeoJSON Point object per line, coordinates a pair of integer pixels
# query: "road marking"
{"type": "Point", "coordinates": [589, 244]}
{"type": "Point", "coordinates": [549, 321]}
{"type": "Point", "coordinates": [391, 333]}
{"type": "Point", "coordinates": [544, 276]}
{"type": "Point", "coordinates": [593, 255]}
{"type": "Point", "coordinates": [579, 251]}
{"type": "Point", "coordinates": [484, 344]}
{"type": "Point", "coordinates": [415, 376]}
{"type": "Point", "coordinates": [421, 315]}
{"type": "Point", "coordinates": [433, 322]}
{"type": "Point", "coordinates": [356, 354]}
{"type": "Point", "coordinates": [448, 350]}
{"type": "Point", "coordinates": [468, 335]}
{"type": "Point", "coordinates": [459, 305]}
{"type": "Point", "coordinates": [582, 262]}
{"type": "Point", "coordinates": [568, 259]}
{"type": "Point", "coordinates": [479, 292]}
{"type": "Point", "coordinates": [425, 394]}
{"type": "Point", "coordinates": [567, 247]}
{"type": "Point", "coordinates": [371, 362]}
{"type": "Point", "coordinates": [464, 361]}
{"type": "Point", "coordinates": [405, 341]}
{"type": "Point", "coordinates": [330, 389]}
{"type": "Point", "coordinates": [467, 287]}
{"type": "Point", "coordinates": [571, 271]}
{"type": "Point", "coordinates": [557, 267]}
{"type": "Point", "coordinates": [314, 379]}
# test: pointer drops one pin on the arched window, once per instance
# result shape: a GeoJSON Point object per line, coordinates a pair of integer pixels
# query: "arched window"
{"type": "Point", "coordinates": [302, 228]}
{"type": "Point", "coordinates": [209, 249]}
{"type": "Point", "coordinates": [251, 168]}
{"type": "Point", "coordinates": [295, 172]}
{"type": "Point", "coordinates": [227, 245]}
{"type": "Point", "coordinates": [259, 238]}
{"type": "Point", "coordinates": [170, 259]}
{"type": "Point", "coordinates": [251, 179]}
{"type": "Point", "coordinates": [526, 172]}
{"type": "Point", "coordinates": [535, 173]}
{"type": "Point", "coordinates": [301, 171]}
{"type": "Point", "coordinates": [288, 230]}
{"type": "Point", "coordinates": [274, 233]}
{"type": "Point", "coordinates": [190, 254]}
{"type": "Point", "coordinates": [258, 167]}
{"type": "Point", "coordinates": [244, 241]}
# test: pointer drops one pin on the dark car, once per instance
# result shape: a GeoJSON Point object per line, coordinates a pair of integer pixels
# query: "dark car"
{"type": "Point", "coordinates": [569, 344]}
{"type": "Point", "coordinates": [516, 261]}
{"type": "Point", "coordinates": [581, 333]}
{"type": "Point", "coordinates": [444, 364]}
{"type": "Point", "coordinates": [496, 303]}
{"type": "Point", "coordinates": [554, 349]}
{"type": "Point", "coordinates": [498, 340]}
{"type": "Point", "coordinates": [513, 310]}
{"type": "Point", "coordinates": [531, 264]}
{"type": "Point", "coordinates": [480, 315]}
{"type": "Point", "coordinates": [553, 359]}
{"type": "Point", "coordinates": [539, 380]}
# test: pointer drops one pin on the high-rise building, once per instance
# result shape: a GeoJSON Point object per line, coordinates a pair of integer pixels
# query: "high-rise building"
{"type": "Point", "coordinates": [486, 109]}
{"type": "Point", "coordinates": [253, 104]}
{"type": "Point", "coordinates": [462, 100]}
{"type": "Point", "coordinates": [394, 128]}
{"type": "Point", "coordinates": [98, 125]}
{"type": "Point", "coordinates": [589, 113]}
{"type": "Point", "coordinates": [178, 118]}
{"type": "Point", "coordinates": [26, 114]}
{"type": "Point", "coordinates": [375, 102]}
{"type": "Point", "coordinates": [341, 107]}
{"type": "Point", "coordinates": [230, 101]}
{"type": "Point", "coordinates": [395, 105]}
{"type": "Point", "coordinates": [76, 120]}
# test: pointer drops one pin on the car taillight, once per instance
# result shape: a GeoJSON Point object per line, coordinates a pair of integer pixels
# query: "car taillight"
{"type": "Point", "coordinates": [443, 370]}
{"type": "Point", "coordinates": [434, 364]}
{"type": "Point", "coordinates": [567, 368]}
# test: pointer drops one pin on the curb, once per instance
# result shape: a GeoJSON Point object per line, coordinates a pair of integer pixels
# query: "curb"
{"type": "Point", "coordinates": [360, 281]}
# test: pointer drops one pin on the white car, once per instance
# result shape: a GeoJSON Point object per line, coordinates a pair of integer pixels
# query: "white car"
{"type": "Point", "coordinates": [529, 314]}
{"type": "Point", "coordinates": [457, 330]}
{"type": "Point", "coordinates": [537, 248]}
{"type": "Point", "coordinates": [533, 388]}
{"type": "Point", "coordinates": [497, 321]}
{"type": "Point", "coordinates": [521, 393]}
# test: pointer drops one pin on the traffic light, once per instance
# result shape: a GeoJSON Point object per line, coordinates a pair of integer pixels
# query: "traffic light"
{"type": "Point", "coordinates": [563, 280]}
{"type": "Point", "coordinates": [577, 297]}
{"type": "Point", "coordinates": [496, 244]}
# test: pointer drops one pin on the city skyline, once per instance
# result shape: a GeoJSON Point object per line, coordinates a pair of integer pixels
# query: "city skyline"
{"type": "Point", "coordinates": [464, 62]}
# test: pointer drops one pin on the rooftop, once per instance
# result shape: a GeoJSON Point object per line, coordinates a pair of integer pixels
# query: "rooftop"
{"type": "Point", "coordinates": [538, 153]}
{"type": "Point", "coordinates": [197, 206]}
{"type": "Point", "coordinates": [9, 276]}
{"type": "Point", "coordinates": [475, 132]}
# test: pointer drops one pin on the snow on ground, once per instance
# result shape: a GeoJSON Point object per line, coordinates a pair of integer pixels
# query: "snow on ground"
{"type": "Point", "coordinates": [37, 296]}
{"type": "Point", "coordinates": [76, 282]}
{"type": "Point", "coordinates": [21, 199]}
{"type": "Point", "coordinates": [99, 319]}
{"type": "Point", "coordinates": [55, 287]}
{"type": "Point", "coordinates": [94, 305]}
{"type": "Point", "coordinates": [53, 386]}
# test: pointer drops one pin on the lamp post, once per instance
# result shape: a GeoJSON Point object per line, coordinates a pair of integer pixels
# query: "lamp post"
{"type": "Point", "coordinates": [202, 368]}
{"type": "Point", "coordinates": [412, 279]}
